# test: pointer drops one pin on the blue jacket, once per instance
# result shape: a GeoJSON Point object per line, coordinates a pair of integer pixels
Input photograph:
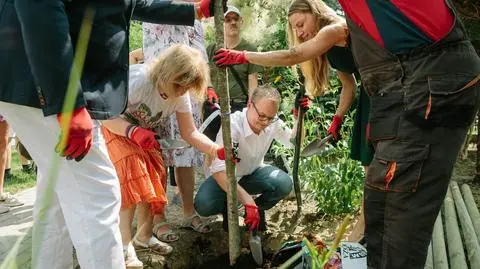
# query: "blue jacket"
{"type": "Point", "coordinates": [37, 48]}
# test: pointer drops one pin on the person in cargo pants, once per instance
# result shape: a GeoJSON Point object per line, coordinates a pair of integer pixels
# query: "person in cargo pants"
{"type": "Point", "coordinates": [422, 75]}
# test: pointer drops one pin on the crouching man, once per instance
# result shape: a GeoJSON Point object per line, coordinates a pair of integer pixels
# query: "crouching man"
{"type": "Point", "coordinates": [253, 129]}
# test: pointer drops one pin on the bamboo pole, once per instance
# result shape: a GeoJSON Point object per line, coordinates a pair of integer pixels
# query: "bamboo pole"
{"type": "Point", "coordinates": [469, 236]}
{"type": "Point", "coordinates": [224, 96]}
{"type": "Point", "coordinates": [440, 260]}
{"type": "Point", "coordinates": [456, 253]}
{"type": "Point", "coordinates": [429, 262]}
{"type": "Point", "coordinates": [472, 209]}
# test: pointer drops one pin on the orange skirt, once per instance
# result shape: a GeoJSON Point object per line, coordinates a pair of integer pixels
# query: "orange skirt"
{"type": "Point", "coordinates": [141, 172]}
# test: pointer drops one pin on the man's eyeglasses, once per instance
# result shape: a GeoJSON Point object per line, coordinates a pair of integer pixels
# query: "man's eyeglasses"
{"type": "Point", "coordinates": [263, 117]}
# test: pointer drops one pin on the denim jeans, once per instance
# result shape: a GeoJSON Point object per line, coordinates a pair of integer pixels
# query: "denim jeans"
{"type": "Point", "coordinates": [271, 182]}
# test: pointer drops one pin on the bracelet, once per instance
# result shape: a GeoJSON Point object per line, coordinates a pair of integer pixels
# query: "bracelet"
{"type": "Point", "coordinates": [129, 130]}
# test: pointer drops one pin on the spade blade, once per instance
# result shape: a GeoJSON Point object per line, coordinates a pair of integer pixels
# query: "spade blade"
{"type": "Point", "coordinates": [316, 146]}
{"type": "Point", "coordinates": [256, 248]}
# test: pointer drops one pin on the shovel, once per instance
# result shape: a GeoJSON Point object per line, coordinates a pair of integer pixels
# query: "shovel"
{"type": "Point", "coordinates": [316, 146]}
{"type": "Point", "coordinates": [256, 247]}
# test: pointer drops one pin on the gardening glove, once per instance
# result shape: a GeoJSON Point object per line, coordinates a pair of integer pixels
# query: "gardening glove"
{"type": "Point", "coordinates": [207, 6]}
{"type": "Point", "coordinates": [252, 216]}
{"type": "Point", "coordinates": [79, 139]}
{"type": "Point", "coordinates": [225, 57]}
{"type": "Point", "coordinates": [144, 138]}
{"type": "Point", "coordinates": [212, 97]}
{"type": "Point", "coordinates": [335, 127]}
{"type": "Point", "coordinates": [303, 101]}
{"type": "Point", "coordinates": [221, 154]}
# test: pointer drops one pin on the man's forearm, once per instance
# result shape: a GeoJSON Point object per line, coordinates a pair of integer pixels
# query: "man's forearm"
{"type": "Point", "coordinates": [222, 181]}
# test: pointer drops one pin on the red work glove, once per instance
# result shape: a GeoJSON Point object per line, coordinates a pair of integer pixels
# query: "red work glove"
{"type": "Point", "coordinates": [252, 217]}
{"type": "Point", "coordinates": [207, 6]}
{"type": "Point", "coordinates": [221, 155]}
{"type": "Point", "coordinates": [79, 139]}
{"type": "Point", "coordinates": [144, 138]}
{"type": "Point", "coordinates": [303, 101]}
{"type": "Point", "coordinates": [226, 57]}
{"type": "Point", "coordinates": [212, 96]}
{"type": "Point", "coordinates": [335, 127]}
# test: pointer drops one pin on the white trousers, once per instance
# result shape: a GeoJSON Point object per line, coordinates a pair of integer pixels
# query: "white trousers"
{"type": "Point", "coordinates": [84, 209]}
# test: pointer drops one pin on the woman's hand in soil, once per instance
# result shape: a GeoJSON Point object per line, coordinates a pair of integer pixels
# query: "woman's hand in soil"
{"type": "Point", "coordinates": [252, 216]}
{"type": "Point", "coordinates": [144, 138]}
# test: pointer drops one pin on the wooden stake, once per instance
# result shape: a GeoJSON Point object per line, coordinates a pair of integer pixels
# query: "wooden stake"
{"type": "Point", "coordinates": [472, 209]}
{"type": "Point", "coordinates": [469, 236]}
{"type": "Point", "coordinates": [429, 262]}
{"type": "Point", "coordinates": [438, 245]}
{"type": "Point", "coordinates": [224, 96]}
{"type": "Point", "coordinates": [456, 253]}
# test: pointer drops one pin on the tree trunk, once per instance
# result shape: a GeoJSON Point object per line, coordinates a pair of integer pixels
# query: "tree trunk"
{"type": "Point", "coordinates": [222, 88]}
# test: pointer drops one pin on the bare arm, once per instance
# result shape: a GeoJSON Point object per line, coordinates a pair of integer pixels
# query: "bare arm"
{"type": "Point", "coordinates": [347, 97]}
{"type": "Point", "coordinates": [222, 181]}
{"type": "Point", "coordinates": [252, 82]}
{"type": "Point", "coordinates": [192, 136]}
{"type": "Point", "coordinates": [326, 38]}
{"type": "Point", "coordinates": [117, 125]}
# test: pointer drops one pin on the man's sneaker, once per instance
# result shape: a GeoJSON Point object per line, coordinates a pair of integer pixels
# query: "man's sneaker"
{"type": "Point", "coordinates": [6, 199]}
{"type": "Point", "coordinates": [4, 209]}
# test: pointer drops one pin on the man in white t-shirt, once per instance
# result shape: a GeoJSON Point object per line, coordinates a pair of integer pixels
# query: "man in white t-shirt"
{"type": "Point", "coordinates": [253, 130]}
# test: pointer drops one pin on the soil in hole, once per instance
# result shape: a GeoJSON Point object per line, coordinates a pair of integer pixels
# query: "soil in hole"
{"type": "Point", "coordinates": [245, 261]}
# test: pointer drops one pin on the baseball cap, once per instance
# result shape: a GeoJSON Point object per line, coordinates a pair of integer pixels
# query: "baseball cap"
{"type": "Point", "coordinates": [232, 9]}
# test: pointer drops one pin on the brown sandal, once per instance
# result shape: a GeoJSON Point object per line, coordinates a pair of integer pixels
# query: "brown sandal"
{"type": "Point", "coordinates": [168, 236]}
{"type": "Point", "coordinates": [154, 244]}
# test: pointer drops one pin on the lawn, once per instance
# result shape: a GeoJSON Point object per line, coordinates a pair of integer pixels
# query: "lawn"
{"type": "Point", "coordinates": [19, 180]}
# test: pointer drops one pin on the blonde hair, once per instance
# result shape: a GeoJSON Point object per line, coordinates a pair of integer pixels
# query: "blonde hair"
{"type": "Point", "coordinates": [181, 65]}
{"type": "Point", "coordinates": [316, 69]}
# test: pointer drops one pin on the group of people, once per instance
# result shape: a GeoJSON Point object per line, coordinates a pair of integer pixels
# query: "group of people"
{"type": "Point", "coordinates": [420, 80]}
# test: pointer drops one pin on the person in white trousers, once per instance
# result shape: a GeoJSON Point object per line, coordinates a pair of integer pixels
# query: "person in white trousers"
{"type": "Point", "coordinates": [36, 57]}
{"type": "Point", "coordinates": [85, 204]}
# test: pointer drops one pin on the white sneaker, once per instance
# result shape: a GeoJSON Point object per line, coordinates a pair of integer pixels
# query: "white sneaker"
{"type": "Point", "coordinates": [4, 209]}
{"type": "Point", "coordinates": [6, 199]}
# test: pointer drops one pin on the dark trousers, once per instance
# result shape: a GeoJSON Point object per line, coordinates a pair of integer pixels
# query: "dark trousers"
{"type": "Point", "coordinates": [272, 183]}
{"type": "Point", "coordinates": [417, 130]}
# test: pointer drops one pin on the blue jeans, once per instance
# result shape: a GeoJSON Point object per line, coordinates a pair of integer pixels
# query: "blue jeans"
{"type": "Point", "coordinates": [272, 183]}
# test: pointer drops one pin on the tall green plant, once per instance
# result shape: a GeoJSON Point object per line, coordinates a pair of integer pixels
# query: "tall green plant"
{"type": "Point", "coordinates": [332, 179]}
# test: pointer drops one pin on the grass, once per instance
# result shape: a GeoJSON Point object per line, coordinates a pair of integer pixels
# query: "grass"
{"type": "Point", "coordinates": [19, 180]}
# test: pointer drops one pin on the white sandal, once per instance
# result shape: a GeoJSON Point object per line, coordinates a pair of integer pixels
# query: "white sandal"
{"type": "Point", "coordinates": [131, 259]}
{"type": "Point", "coordinates": [154, 244]}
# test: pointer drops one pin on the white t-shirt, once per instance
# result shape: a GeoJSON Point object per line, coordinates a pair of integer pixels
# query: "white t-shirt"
{"type": "Point", "coordinates": [146, 107]}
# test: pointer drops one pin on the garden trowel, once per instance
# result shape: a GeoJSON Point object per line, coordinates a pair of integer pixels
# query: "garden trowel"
{"type": "Point", "coordinates": [316, 146]}
{"type": "Point", "coordinates": [172, 144]}
{"type": "Point", "coordinates": [256, 247]}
